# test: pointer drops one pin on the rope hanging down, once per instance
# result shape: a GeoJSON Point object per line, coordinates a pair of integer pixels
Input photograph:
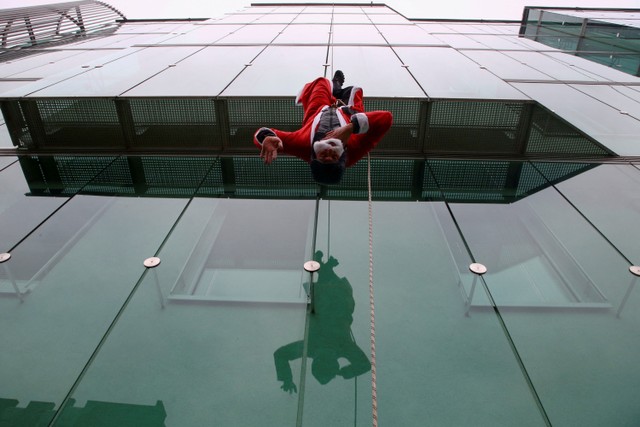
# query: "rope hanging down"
{"type": "Point", "coordinates": [374, 393]}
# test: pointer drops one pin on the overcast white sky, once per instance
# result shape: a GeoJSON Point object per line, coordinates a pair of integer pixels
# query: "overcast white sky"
{"type": "Point", "coordinates": [457, 9]}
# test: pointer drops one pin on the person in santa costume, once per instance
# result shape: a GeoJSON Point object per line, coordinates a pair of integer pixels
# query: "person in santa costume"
{"type": "Point", "coordinates": [336, 132]}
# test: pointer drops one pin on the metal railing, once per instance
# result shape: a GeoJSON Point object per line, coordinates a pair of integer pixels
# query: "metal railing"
{"type": "Point", "coordinates": [60, 22]}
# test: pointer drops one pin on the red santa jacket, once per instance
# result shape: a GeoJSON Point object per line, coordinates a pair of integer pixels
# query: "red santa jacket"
{"type": "Point", "coordinates": [315, 97]}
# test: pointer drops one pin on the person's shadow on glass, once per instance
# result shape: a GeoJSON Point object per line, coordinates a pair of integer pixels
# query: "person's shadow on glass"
{"type": "Point", "coordinates": [330, 337]}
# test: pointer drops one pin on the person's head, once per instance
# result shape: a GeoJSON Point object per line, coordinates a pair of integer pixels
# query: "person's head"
{"type": "Point", "coordinates": [325, 366]}
{"type": "Point", "coordinates": [328, 161]}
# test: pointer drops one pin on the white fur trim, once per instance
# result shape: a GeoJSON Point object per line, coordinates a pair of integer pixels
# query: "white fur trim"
{"type": "Point", "coordinates": [363, 122]}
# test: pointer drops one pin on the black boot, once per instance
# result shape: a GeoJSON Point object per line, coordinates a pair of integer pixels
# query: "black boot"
{"type": "Point", "coordinates": [338, 81]}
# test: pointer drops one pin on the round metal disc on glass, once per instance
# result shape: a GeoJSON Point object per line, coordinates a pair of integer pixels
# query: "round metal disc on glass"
{"type": "Point", "coordinates": [477, 268]}
{"type": "Point", "coordinates": [312, 266]}
{"type": "Point", "coordinates": [152, 262]}
{"type": "Point", "coordinates": [4, 257]}
{"type": "Point", "coordinates": [635, 270]}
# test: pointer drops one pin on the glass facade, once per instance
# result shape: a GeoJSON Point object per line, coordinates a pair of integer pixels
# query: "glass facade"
{"type": "Point", "coordinates": [154, 270]}
{"type": "Point", "coordinates": [607, 36]}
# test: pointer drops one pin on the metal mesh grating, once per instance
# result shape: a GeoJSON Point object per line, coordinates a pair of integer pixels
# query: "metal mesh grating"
{"type": "Point", "coordinates": [80, 122]}
{"type": "Point", "coordinates": [405, 131]}
{"type": "Point", "coordinates": [555, 172]}
{"type": "Point", "coordinates": [530, 181]}
{"type": "Point", "coordinates": [286, 177]}
{"type": "Point", "coordinates": [175, 123]}
{"type": "Point", "coordinates": [246, 115]}
{"type": "Point", "coordinates": [60, 175]}
{"type": "Point", "coordinates": [467, 180]}
{"type": "Point", "coordinates": [469, 126]}
{"type": "Point", "coordinates": [213, 184]}
{"type": "Point", "coordinates": [175, 111]}
{"type": "Point", "coordinates": [551, 135]}
{"type": "Point", "coordinates": [165, 175]}
{"type": "Point", "coordinates": [390, 180]}
{"type": "Point", "coordinates": [116, 179]}
{"type": "Point", "coordinates": [77, 111]}
{"type": "Point", "coordinates": [75, 172]}
{"type": "Point", "coordinates": [473, 114]}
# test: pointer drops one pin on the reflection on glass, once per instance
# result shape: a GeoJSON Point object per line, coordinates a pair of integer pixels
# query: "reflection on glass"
{"type": "Point", "coordinates": [19, 212]}
{"type": "Point", "coordinates": [241, 254]}
{"type": "Point", "coordinates": [330, 338]}
{"type": "Point", "coordinates": [529, 265]}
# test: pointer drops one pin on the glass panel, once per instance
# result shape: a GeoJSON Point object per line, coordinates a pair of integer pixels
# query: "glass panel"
{"type": "Point", "coordinates": [408, 34]}
{"type": "Point", "coordinates": [118, 76]}
{"type": "Point", "coordinates": [338, 335]}
{"type": "Point", "coordinates": [548, 66]}
{"type": "Point", "coordinates": [559, 286]}
{"type": "Point", "coordinates": [300, 34]}
{"type": "Point", "coordinates": [78, 268]}
{"type": "Point", "coordinates": [605, 73]}
{"type": "Point", "coordinates": [120, 41]}
{"type": "Point", "coordinates": [266, 76]}
{"type": "Point", "coordinates": [242, 18]}
{"type": "Point", "coordinates": [6, 161]}
{"type": "Point", "coordinates": [389, 80]}
{"type": "Point", "coordinates": [504, 66]}
{"type": "Point", "coordinates": [20, 212]}
{"type": "Point", "coordinates": [616, 131]}
{"type": "Point", "coordinates": [417, 281]}
{"type": "Point", "coordinates": [604, 195]}
{"type": "Point", "coordinates": [275, 18]}
{"type": "Point", "coordinates": [627, 63]}
{"type": "Point", "coordinates": [46, 65]}
{"type": "Point", "coordinates": [459, 41]}
{"type": "Point", "coordinates": [434, 28]}
{"type": "Point", "coordinates": [350, 18]}
{"type": "Point", "coordinates": [206, 76]}
{"type": "Point", "coordinates": [290, 9]}
{"type": "Point", "coordinates": [152, 27]}
{"type": "Point", "coordinates": [356, 34]}
{"type": "Point", "coordinates": [313, 18]}
{"type": "Point", "coordinates": [203, 34]}
{"type": "Point", "coordinates": [502, 28]}
{"type": "Point", "coordinates": [254, 33]}
{"type": "Point", "coordinates": [95, 60]}
{"type": "Point", "coordinates": [5, 138]}
{"type": "Point", "coordinates": [613, 97]}
{"type": "Point", "coordinates": [383, 18]}
{"type": "Point", "coordinates": [216, 358]}
{"type": "Point", "coordinates": [454, 75]}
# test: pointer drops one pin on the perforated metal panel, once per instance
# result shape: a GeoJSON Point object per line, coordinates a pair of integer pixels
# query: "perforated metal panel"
{"type": "Point", "coordinates": [470, 126]}
{"type": "Point", "coordinates": [287, 177]}
{"type": "Point", "coordinates": [551, 135]}
{"type": "Point", "coordinates": [176, 123]}
{"type": "Point", "coordinates": [466, 181]}
{"type": "Point", "coordinates": [71, 123]}
{"type": "Point", "coordinates": [246, 115]}
{"type": "Point", "coordinates": [116, 179]}
{"type": "Point", "coordinates": [390, 180]}
{"type": "Point", "coordinates": [404, 135]}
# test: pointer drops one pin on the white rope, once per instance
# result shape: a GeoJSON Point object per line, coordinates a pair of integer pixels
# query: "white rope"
{"type": "Point", "coordinates": [374, 392]}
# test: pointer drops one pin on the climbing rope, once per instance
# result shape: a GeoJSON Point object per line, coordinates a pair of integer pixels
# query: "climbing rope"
{"type": "Point", "coordinates": [374, 392]}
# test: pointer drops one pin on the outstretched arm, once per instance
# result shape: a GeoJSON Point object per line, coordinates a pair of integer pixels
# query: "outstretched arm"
{"type": "Point", "coordinates": [282, 357]}
{"type": "Point", "coordinates": [270, 147]}
{"type": "Point", "coordinates": [369, 128]}
{"type": "Point", "coordinates": [272, 142]}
